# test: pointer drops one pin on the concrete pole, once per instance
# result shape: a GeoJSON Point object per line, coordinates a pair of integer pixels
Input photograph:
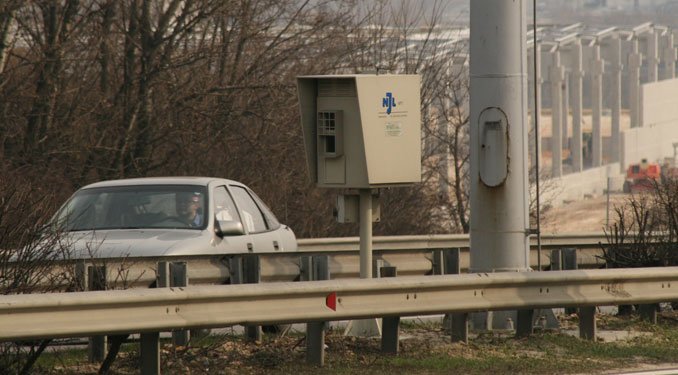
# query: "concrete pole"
{"type": "Point", "coordinates": [577, 93]}
{"type": "Point", "coordinates": [498, 102]}
{"type": "Point", "coordinates": [556, 76]}
{"type": "Point", "coordinates": [615, 85]}
{"type": "Point", "coordinates": [597, 71]}
{"type": "Point", "coordinates": [652, 56]}
{"type": "Point", "coordinates": [669, 57]}
{"type": "Point", "coordinates": [635, 61]}
{"type": "Point", "coordinates": [365, 233]}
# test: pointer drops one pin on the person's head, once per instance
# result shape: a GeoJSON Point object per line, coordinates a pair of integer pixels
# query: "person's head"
{"type": "Point", "coordinates": [187, 204]}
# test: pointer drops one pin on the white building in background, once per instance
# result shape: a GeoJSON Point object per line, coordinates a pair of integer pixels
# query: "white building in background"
{"type": "Point", "coordinates": [608, 97]}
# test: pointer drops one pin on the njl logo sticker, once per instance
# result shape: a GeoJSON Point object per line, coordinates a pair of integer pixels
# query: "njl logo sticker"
{"type": "Point", "coordinates": [388, 102]}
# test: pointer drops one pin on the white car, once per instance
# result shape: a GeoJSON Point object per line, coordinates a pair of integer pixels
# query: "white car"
{"type": "Point", "coordinates": [170, 216]}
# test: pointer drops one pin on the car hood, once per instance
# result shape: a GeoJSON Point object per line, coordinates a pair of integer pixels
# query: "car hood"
{"type": "Point", "coordinates": [134, 243]}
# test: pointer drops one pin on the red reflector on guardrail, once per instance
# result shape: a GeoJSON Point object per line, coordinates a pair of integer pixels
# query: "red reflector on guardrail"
{"type": "Point", "coordinates": [331, 301]}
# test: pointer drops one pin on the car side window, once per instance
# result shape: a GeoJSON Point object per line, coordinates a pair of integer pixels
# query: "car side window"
{"type": "Point", "coordinates": [272, 221]}
{"type": "Point", "coordinates": [252, 218]}
{"type": "Point", "coordinates": [224, 209]}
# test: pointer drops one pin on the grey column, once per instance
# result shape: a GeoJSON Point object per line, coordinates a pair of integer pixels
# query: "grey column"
{"type": "Point", "coordinates": [615, 85]}
{"type": "Point", "coordinates": [498, 97]}
{"type": "Point", "coordinates": [652, 57]}
{"type": "Point", "coordinates": [577, 76]}
{"type": "Point", "coordinates": [669, 57]}
{"type": "Point", "coordinates": [597, 70]}
{"type": "Point", "coordinates": [634, 63]}
{"type": "Point", "coordinates": [556, 76]}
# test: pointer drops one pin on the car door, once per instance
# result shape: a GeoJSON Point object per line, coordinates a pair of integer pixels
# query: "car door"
{"type": "Point", "coordinates": [223, 208]}
{"type": "Point", "coordinates": [262, 235]}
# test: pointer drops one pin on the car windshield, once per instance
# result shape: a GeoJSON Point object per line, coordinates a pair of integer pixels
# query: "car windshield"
{"type": "Point", "coordinates": [135, 207]}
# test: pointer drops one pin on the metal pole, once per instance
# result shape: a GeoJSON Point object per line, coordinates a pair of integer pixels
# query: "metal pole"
{"type": "Point", "coordinates": [365, 234]}
{"type": "Point", "coordinates": [499, 186]}
{"type": "Point", "coordinates": [537, 136]}
{"type": "Point", "coordinates": [607, 209]}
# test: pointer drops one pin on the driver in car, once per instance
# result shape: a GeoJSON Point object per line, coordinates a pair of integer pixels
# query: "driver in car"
{"type": "Point", "coordinates": [188, 208]}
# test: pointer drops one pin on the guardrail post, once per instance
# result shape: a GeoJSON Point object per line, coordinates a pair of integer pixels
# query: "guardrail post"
{"type": "Point", "coordinates": [306, 268]}
{"type": "Point", "coordinates": [457, 323]}
{"type": "Point", "coordinates": [178, 277]}
{"type": "Point", "coordinates": [569, 262]}
{"type": "Point", "coordinates": [451, 262]}
{"type": "Point", "coordinates": [564, 259]}
{"type": "Point", "coordinates": [556, 260]}
{"type": "Point", "coordinates": [649, 312]}
{"type": "Point", "coordinates": [235, 270]}
{"type": "Point", "coordinates": [150, 353]}
{"type": "Point", "coordinates": [93, 278]}
{"type": "Point", "coordinates": [315, 331]}
{"type": "Point", "coordinates": [610, 262]}
{"type": "Point", "coordinates": [149, 343]}
{"type": "Point", "coordinates": [569, 258]}
{"type": "Point", "coordinates": [587, 322]}
{"type": "Point", "coordinates": [390, 326]}
{"type": "Point", "coordinates": [437, 263]}
{"type": "Point", "coordinates": [162, 279]}
{"type": "Point", "coordinates": [252, 275]}
{"type": "Point", "coordinates": [524, 325]}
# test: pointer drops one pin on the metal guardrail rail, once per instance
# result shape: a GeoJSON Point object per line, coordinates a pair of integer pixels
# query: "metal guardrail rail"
{"type": "Point", "coordinates": [412, 255]}
{"type": "Point", "coordinates": [440, 241]}
{"type": "Point", "coordinates": [152, 310]}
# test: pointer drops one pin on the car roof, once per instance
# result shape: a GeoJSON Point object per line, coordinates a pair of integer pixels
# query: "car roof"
{"type": "Point", "coordinates": [181, 180]}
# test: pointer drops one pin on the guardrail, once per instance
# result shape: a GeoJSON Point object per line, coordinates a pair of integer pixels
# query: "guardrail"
{"type": "Point", "coordinates": [412, 255]}
{"type": "Point", "coordinates": [153, 310]}
{"type": "Point", "coordinates": [150, 310]}
{"type": "Point", "coordinates": [441, 241]}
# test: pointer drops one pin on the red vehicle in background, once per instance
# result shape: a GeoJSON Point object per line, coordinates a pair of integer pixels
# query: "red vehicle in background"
{"type": "Point", "coordinates": [642, 177]}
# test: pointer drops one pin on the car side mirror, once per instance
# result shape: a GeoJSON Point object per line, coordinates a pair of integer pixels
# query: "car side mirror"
{"type": "Point", "coordinates": [224, 228]}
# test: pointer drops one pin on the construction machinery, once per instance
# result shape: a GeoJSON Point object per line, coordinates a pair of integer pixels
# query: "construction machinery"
{"type": "Point", "coordinates": [644, 176]}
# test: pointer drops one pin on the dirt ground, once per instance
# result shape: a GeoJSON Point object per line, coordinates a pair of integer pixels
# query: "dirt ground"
{"type": "Point", "coordinates": [588, 215]}
{"type": "Point", "coordinates": [424, 349]}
